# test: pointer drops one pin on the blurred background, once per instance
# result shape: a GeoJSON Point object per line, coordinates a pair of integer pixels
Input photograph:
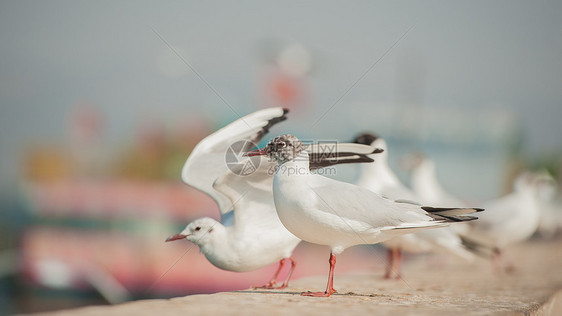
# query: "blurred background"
{"type": "Point", "coordinates": [102, 102]}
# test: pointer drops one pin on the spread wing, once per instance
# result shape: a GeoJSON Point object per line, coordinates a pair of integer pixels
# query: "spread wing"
{"type": "Point", "coordinates": [251, 194]}
{"type": "Point", "coordinates": [207, 160]}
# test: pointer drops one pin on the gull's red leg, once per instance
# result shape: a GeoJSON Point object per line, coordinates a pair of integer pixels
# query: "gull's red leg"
{"type": "Point", "coordinates": [286, 283]}
{"type": "Point", "coordinates": [394, 265]}
{"type": "Point", "coordinates": [273, 281]}
{"type": "Point", "coordinates": [390, 263]}
{"type": "Point", "coordinates": [398, 260]}
{"type": "Point", "coordinates": [330, 286]}
{"type": "Point", "coordinates": [508, 265]}
{"type": "Point", "coordinates": [497, 261]}
{"type": "Point", "coordinates": [500, 262]}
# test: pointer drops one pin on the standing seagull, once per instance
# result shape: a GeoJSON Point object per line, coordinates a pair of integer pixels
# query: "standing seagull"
{"type": "Point", "coordinates": [379, 178]}
{"type": "Point", "coordinates": [509, 219]}
{"type": "Point", "coordinates": [551, 211]}
{"type": "Point", "coordinates": [328, 212]}
{"type": "Point", "coordinates": [250, 235]}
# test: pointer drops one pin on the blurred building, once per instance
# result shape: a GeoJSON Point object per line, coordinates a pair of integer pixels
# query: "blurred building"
{"type": "Point", "coordinates": [96, 219]}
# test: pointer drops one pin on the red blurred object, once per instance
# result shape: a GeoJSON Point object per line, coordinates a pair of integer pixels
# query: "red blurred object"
{"type": "Point", "coordinates": [286, 90]}
{"type": "Point", "coordinates": [105, 199]}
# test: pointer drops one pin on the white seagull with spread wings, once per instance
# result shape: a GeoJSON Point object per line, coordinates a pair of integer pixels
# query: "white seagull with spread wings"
{"type": "Point", "coordinates": [250, 235]}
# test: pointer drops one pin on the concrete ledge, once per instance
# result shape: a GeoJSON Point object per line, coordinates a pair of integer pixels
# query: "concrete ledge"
{"type": "Point", "coordinates": [431, 286]}
{"type": "Point", "coordinates": [552, 307]}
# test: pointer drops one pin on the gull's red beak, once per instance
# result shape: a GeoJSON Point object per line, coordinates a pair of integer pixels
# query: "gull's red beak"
{"type": "Point", "coordinates": [176, 237]}
{"type": "Point", "coordinates": [256, 152]}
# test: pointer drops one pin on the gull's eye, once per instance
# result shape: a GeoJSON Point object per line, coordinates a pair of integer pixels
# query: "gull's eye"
{"type": "Point", "coordinates": [197, 228]}
{"type": "Point", "coordinates": [280, 144]}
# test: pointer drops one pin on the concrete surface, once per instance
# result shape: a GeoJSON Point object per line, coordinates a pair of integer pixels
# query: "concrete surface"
{"type": "Point", "coordinates": [431, 286]}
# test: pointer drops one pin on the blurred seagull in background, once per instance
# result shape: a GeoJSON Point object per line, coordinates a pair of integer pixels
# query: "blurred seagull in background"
{"type": "Point", "coordinates": [328, 212]}
{"type": "Point", "coordinates": [424, 182]}
{"type": "Point", "coordinates": [379, 178]}
{"type": "Point", "coordinates": [250, 235]}
{"type": "Point", "coordinates": [426, 185]}
{"type": "Point", "coordinates": [509, 219]}
{"type": "Point", "coordinates": [550, 205]}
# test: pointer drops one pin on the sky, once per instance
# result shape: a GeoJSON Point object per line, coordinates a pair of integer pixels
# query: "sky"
{"type": "Point", "coordinates": [366, 55]}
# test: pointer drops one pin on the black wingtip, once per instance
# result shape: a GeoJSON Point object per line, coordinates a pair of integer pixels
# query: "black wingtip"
{"type": "Point", "coordinates": [365, 138]}
{"type": "Point", "coordinates": [276, 120]}
{"type": "Point", "coordinates": [457, 218]}
{"type": "Point", "coordinates": [321, 160]}
{"type": "Point", "coordinates": [440, 213]}
{"type": "Point", "coordinates": [316, 163]}
{"type": "Point", "coordinates": [432, 209]}
{"type": "Point", "coordinates": [367, 159]}
{"type": "Point", "coordinates": [269, 124]}
{"type": "Point", "coordinates": [377, 151]}
{"type": "Point", "coordinates": [477, 248]}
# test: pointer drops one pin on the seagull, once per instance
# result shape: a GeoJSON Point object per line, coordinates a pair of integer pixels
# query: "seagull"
{"type": "Point", "coordinates": [328, 212]}
{"type": "Point", "coordinates": [510, 219]}
{"type": "Point", "coordinates": [379, 178]}
{"type": "Point", "coordinates": [249, 235]}
{"type": "Point", "coordinates": [551, 209]}
{"type": "Point", "coordinates": [424, 181]}
{"type": "Point", "coordinates": [551, 217]}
